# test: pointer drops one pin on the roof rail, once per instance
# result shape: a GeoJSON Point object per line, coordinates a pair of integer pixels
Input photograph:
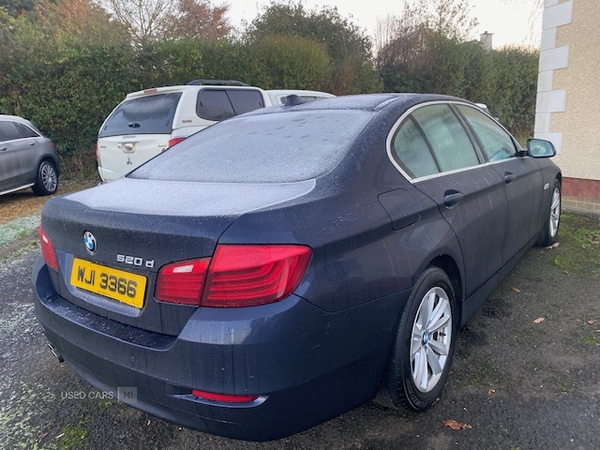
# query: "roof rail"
{"type": "Point", "coordinates": [202, 82]}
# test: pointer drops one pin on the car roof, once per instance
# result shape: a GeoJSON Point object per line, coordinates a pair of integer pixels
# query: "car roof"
{"type": "Point", "coordinates": [181, 88]}
{"type": "Point", "coordinates": [299, 92]}
{"type": "Point", "coordinates": [14, 118]}
{"type": "Point", "coordinates": [365, 102]}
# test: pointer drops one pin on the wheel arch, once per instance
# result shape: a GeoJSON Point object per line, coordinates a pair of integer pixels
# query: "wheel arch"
{"type": "Point", "coordinates": [450, 267]}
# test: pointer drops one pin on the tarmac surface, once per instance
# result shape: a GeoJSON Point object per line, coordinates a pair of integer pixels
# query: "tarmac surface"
{"type": "Point", "coordinates": [526, 373]}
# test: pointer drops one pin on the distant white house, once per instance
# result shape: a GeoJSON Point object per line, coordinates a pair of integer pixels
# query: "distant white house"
{"type": "Point", "coordinates": [568, 107]}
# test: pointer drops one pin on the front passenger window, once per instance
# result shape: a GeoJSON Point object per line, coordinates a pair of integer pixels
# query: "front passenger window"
{"type": "Point", "coordinates": [495, 142]}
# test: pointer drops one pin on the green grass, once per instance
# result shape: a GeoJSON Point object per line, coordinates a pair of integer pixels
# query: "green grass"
{"type": "Point", "coordinates": [579, 250]}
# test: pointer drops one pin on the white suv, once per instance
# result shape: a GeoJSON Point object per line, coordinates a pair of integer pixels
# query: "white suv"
{"type": "Point", "coordinates": [150, 121]}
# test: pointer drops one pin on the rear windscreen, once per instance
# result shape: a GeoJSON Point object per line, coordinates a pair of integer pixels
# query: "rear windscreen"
{"type": "Point", "coordinates": [145, 115]}
{"type": "Point", "coordinates": [263, 148]}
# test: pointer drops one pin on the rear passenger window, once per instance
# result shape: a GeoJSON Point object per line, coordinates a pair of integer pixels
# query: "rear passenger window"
{"type": "Point", "coordinates": [410, 151]}
{"type": "Point", "coordinates": [9, 131]}
{"type": "Point", "coordinates": [214, 104]}
{"type": "Point", "coordinates": [25, 131]}
{"type": "Point", "coordinates": [495, 142]}
{"type": "Point", "coordinates": [451, 146]}
{"type": "Point", "coordinates": [244, 101]}
{"type": "Point", "coordinates": [220, 104]}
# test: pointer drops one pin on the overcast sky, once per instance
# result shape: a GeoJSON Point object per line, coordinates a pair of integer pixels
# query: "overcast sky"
{"type": "Point", "coordinates": [510, 21]}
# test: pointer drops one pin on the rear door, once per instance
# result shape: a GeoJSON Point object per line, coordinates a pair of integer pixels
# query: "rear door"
{"type": "Point", "coordinates": [433, 149]}
{"type": "Point", "coordinates": [137, 130]}
{"type": "Point", "coordinates": [522, 179]}
{"type": "Point", "coordinates": [18, 148]}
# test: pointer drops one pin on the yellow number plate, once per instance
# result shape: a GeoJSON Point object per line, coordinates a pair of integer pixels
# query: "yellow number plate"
{"type": "Point", "coordinates": [119, 285]}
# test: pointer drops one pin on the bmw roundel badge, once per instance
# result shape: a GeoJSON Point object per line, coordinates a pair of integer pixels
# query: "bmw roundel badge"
{"type": "Point", "coordinates": [90, 242]}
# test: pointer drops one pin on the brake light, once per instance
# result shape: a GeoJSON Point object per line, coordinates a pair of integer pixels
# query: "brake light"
{"type": "Point", "coordinates": [250, 275]}
{"type": "Point", "coordinates": [224, 397]}
{"type": "Point", "coordinates": [237, 276]}
{"type": "Point", "coordinates": [182, 282]}
{"type": "Point", "coordinates": [98, 154]}
{"type": "Point", "coordinates": [48, 252]}
{"type": "Point", "coordinates": [174, 141]}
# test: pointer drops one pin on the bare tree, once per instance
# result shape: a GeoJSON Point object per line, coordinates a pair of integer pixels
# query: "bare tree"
{"type": "Point", "coordinates": [149, 20]}
{"type": "Point", "coordinates": [449, 18]}
{"type": "Point", "coordinates": [535, 15]}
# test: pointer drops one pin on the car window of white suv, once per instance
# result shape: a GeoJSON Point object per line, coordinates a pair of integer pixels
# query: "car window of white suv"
{"type": "Point", "coordinates": [245, 100]}
{"type": "Point", "coordinates": [220, 104]}
{"type": "Point", "coordinates": [149, 114]}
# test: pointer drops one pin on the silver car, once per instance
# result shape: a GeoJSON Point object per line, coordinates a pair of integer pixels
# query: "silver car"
{"type": "Point", "coordinates": [27, 158]}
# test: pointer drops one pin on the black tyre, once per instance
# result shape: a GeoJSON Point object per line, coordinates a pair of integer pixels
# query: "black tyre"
{"type": "Point", "coordinates": [47, 179]}
{"type": "Point", "coordinates": [552, 223]}
{"type": "Point", "coordinates": [424, 346]}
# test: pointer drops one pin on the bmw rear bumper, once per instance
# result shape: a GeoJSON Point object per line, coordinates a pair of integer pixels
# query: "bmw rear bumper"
{"type": "Point", "coordinates": [306, 365]}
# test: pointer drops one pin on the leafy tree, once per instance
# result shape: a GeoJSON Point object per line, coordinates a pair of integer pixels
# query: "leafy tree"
{"type": "Point", "coordinates": [348, 46]}
{"type": "Point", "coordinates": [171, 62]}
{"type": "Point", "coordinates": [282, 62]}
{"type": "Point", "coordinates": [58, 61]}
{"type": "Point", "coordinates": [16, 8]}
{"type": "Point", "coordinates": [341, 37]}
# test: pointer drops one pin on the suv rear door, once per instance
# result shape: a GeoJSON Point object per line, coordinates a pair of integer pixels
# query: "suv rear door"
{"type": "Point", "coordinates": [137, 130]}
{"type": "Point", "coordinates": [18, 147]}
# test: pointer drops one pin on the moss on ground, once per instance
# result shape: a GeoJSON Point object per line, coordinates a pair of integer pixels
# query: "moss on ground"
{"type": "Point", "coordinates": [579, 250]}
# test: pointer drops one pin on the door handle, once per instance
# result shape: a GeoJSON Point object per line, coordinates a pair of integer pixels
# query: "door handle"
{"type": "Point", "coordinates": [509, 177]}
{"type": "Point", "coordinates": [32, 143]}
{"type": "Point", "coordinates": [452, 198]}
{"type": "Point", "coordinates": [3, 149]}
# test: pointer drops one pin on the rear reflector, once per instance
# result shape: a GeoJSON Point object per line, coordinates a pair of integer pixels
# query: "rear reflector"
{"type": "Point", "coordinates": [48, 252]}
{"type": "Point", "coordinates": [236, 276]}
{"type": "Point", "coordinates": [224, 398]}
{"type": "Point", "coordinates": [174, 141]}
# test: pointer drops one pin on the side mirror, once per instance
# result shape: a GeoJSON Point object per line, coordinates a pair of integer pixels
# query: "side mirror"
{"type": "Point", "coordinates": [540, 148]}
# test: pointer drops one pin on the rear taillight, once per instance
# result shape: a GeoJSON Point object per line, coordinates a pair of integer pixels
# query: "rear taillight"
{"type": "Point", "coordinates": [250, 275]}
{"type": "Point", "coordinates": [174, 141]}
{"type": "Point", "coordinates": [182, 282]}
{"type": "Point", "coordinates": [236, 276]}
{"type": "Point", "coordinates": [224, 398]}
{"type": "Point", "coordinates": [98, 153]}
{"type": "Point", "coordinates": [48, 252]}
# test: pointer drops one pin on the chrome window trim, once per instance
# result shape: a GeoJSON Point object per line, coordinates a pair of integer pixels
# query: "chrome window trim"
{"type": "Point", "coordinates": [409, 111]}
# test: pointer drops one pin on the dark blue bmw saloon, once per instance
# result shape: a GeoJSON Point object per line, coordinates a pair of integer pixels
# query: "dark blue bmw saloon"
{"type": "Point", "coordinates": [282, 267]}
